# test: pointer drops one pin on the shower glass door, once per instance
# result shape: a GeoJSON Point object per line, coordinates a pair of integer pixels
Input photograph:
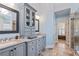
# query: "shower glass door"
{"type": "Point", "coordinates": [75, 31]}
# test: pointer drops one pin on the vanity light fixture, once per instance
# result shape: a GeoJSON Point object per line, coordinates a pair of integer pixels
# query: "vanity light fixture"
{"type": "Point", "coordinates": [37, 17]}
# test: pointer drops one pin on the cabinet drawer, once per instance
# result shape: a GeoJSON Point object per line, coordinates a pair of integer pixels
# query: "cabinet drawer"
{"type": "Point", "coordinates": [31, 43]}
{"type": "Point", "coordinates": [39, 46]}
{"type": "Point", "coordinates": [38, 51]}
{"type": "Point", "coordinates": [39, 43]}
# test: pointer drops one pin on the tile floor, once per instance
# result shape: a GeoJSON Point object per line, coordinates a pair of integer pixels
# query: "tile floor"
{"type": "Point", "coordinates": [60, 49]}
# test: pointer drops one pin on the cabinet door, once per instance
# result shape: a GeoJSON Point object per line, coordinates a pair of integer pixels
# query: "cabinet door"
{"type": "Point", "coordinates": [20, 50]}
{"type": "Point", "coordinates": [29, 21]}
{"type": "Point", "coordinates": [43, 42]}
{"type": "Point", "coordinates": [5, 53]}
{"type": "Point", "coordinates": [31, 48]}
{"type": "Point", "coordinates": [9, 51]}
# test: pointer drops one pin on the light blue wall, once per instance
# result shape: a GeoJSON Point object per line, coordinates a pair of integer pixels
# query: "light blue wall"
{"type": "Point", "coordinates": [50, 29]}
{"type": "Point", "coordinates": [47, 19]}
{"type": "Point", "coordinates": [47, 22]}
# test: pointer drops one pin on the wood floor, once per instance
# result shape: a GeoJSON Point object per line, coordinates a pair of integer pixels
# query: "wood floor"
{"type": "Point", "coordinates": [60, 49]}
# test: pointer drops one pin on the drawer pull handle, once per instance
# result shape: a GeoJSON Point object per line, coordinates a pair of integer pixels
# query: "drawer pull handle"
{"type": "Point", "coordinates": [14, 48]}
{"type": "Point", "coordinates": [32, 48]}
{"type": "Point", "coordinates": [11, 50]}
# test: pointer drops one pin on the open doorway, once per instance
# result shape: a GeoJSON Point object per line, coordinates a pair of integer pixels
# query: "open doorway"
{"type": "Point", "coordinates": [62, 19]}
{"type": "Point", "coordinates": [61, 26]}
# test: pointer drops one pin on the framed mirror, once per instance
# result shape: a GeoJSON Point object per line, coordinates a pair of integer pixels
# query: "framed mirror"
{"type": "Point", "coordinates": [37, 25]}
{"type": "Point", "coordinates": [9, 20]}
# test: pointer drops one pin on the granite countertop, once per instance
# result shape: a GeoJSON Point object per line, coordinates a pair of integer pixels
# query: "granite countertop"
{"type": "Point", "coordinates": [17, 41]}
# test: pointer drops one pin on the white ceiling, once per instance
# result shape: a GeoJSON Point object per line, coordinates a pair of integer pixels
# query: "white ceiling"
{"type": "Point", "coordinates": [56, 6]}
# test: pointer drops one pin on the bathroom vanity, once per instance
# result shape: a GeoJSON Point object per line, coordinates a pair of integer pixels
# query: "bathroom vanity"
{"type": "Point", "coordinates": [31, 44]}
{"type": "Point", "coordinates": [13, 50]}
{"type": "Point", "coordinates": [23, 47]}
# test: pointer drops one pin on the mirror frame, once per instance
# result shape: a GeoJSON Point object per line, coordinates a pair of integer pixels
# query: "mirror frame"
{"type": "Point", "coordinates": [17, 19]}
{"type": "Point", "coordinates": [38, 25]}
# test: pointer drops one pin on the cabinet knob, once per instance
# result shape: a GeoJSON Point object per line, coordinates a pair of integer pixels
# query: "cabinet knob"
{"type": "Point", "coordinates": [14, 48]}
{"type": "Point", "coordinates": [32, 48]}
{"type": "Point", "coordinates": [11, 50]}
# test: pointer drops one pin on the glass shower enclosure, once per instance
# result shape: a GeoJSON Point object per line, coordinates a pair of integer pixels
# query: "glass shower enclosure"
{"type": "Point", "coordinates": [75, 31]}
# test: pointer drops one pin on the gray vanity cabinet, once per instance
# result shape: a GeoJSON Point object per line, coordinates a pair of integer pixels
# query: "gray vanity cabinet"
{"type": "Point", "coordinates": [4, 53]}
{"type": "Point", "coordinates": [17, 50]}
{"type": "Point", "coordinates": [35, 47]}
{"type": "Point", "coordinates": [27, 20]}
{"type": "Point", "coordinates": [9, 51]}
{"type": "Point", "coordinates": [28, 48]}
{"type": "Point", "coordinates": [41, 44]}
{"type": "Point", "coordinates": [21, 49]}
{"type": "Point", "coordinates": [31, 48]}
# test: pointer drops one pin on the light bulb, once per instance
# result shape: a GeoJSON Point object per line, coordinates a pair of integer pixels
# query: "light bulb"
{"type": "Point", "coordinates": [37, 17]}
